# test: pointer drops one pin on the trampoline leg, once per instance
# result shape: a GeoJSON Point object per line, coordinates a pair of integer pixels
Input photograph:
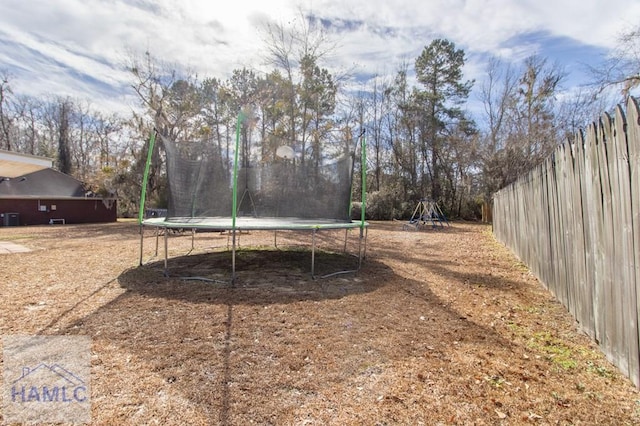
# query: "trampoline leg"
{"type": "Point", "coordinates": [360, 249]}
{"type": "Point", "coordinates": [157, 238]}
{"type": "Point", "coordinates": [166, 252]}
{"type": "Point", "coordinates": [366, 234]}
{"type": "Point", "coordinates": [313, 254]}
{"type": "Point", "coordinates": [141, 242]}
{"type": "Point", "coordinates": [233, 257]}
{"type": "Point", "coordinates": [346, 235]}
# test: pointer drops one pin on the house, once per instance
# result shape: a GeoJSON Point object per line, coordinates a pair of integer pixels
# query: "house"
{"type": "Point", "coordinates": [33, 193]}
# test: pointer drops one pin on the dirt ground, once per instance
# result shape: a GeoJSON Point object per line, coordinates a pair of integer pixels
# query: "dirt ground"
{"type": "Point", "coordinates": [439, 327]}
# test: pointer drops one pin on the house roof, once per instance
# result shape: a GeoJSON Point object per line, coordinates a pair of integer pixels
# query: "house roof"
{"type": "Point", "coordinates": [45, 183]}
{"type": "Point", "coordinates": [14, 164]}
{"type": "Point", "coordinates": [13, 170]}
{"type": "Point", "coordinates": [28, 176]}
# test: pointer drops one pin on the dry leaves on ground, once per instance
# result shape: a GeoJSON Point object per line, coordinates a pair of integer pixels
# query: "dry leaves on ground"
{"type": "Point", "coordinates": [440, 326]}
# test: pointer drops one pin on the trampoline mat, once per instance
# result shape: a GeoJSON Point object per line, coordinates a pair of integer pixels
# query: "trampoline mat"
{"type": "Point", "coordinates": [251, 223]}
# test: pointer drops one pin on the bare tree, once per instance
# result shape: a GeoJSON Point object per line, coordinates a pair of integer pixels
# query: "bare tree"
{"type": "Point", "coordinates": [153, 80]}
{"type": "Point", "coordinates": [6, 116]}
{"type": "Point", "coordinates": [402, 125]}
{"type": "Point", "coordinates": [522, 116]}
{"type": "Point", "coordinates": [496, 93]}
{"type": "Point", "coordinates": [535, 108]}
{"type": "Point", "coordinates": [622, 68]}
{"type": "Point", "coordinates": [297, 50]}
{"type": "Point", "coordinates": [576, 111]}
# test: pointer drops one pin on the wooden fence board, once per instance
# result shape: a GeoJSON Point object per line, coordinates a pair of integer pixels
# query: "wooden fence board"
{"type": "Point", "coordinates": [582, 289]}
{"type": "Point", "coordinates": [559, 232]}
{"type": "Point", "coordinates": [564, 261]}
{"type": "Point", "coordinates": [625, 260]}
{"type": "Point", "coordinates": [534, 218]}
{"type": "Point", "coordinates": [591, 216]}
{"type": "Point", "coordinates": [633, 146]}
{"type": "Point", "coordinates": [548, 171]}
{"type": "Point", "coordinates": [553, 223]}
{"type": "Point", "coordinates": [553, 227]}
{"type": "Point", "coordinates": [544, 226]}
{"type": "Point", "coordinates": [576, 248]}
{"type": "Point", "coordinates": [599, 245]}
{"type": "Point", "coordinates": [570, 230]}
{"type": "Point", "coordinates": [612, 320]}
{"type": "Point", "coordinates": [543, 222]}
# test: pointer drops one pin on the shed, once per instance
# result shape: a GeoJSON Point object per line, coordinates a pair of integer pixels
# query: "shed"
{"type": "Point", "coordinates": [33, 193]}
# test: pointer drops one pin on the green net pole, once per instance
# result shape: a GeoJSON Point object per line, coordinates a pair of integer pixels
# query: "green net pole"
{"type": "Point", "coordinates": [363, 168]}
{"type": "Point", "coordinates": [350, 208]}
{"type": "Point", "coordinates": [363, 183]}
{"type": "Point", "coordinates": [235, 172]}
{"type": "Point", "coordinates": [143, 191]}
{"type": "Point", "coordinates": [145, 177]}
{"type": "Point", "coordinates": [235, 198]}
{"type": "Point", "coordinates": [353, 169]}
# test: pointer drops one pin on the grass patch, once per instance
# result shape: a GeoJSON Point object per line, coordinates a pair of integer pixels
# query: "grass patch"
{"type": "Point", "coordinates": [554, 349]}
{"type": "Point", "coordinates": [599, 370]}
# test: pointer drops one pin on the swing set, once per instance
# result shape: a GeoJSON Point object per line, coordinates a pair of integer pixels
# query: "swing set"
{"type": "Point", "coordinates": [427, 211]}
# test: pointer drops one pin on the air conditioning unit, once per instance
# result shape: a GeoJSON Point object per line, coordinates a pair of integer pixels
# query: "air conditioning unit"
{"type": "Point", "coordinates": [11, 219]}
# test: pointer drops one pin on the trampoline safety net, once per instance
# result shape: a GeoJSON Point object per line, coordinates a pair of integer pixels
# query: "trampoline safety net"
{"type": "Point", "coordinates": [270, 182]}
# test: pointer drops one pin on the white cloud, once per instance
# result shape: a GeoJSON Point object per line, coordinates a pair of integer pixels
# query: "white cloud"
{"type": "Point", "coordinates": [51, 45]}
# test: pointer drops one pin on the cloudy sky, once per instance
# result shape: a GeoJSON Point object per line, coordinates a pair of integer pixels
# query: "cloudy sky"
{"type": "Point", "coordinates": [78, 47]}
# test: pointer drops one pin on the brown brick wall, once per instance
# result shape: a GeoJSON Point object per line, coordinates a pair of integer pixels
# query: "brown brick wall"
{"type": "Point", "coordinates": [89, 210]}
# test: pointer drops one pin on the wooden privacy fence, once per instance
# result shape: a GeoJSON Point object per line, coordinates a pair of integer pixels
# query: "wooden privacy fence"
{"type": "Point", "coordinates": [575, 222]}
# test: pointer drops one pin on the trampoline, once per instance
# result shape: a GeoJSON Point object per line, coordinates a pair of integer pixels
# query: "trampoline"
{"type": "Point", "coordinates": [258, 185]}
